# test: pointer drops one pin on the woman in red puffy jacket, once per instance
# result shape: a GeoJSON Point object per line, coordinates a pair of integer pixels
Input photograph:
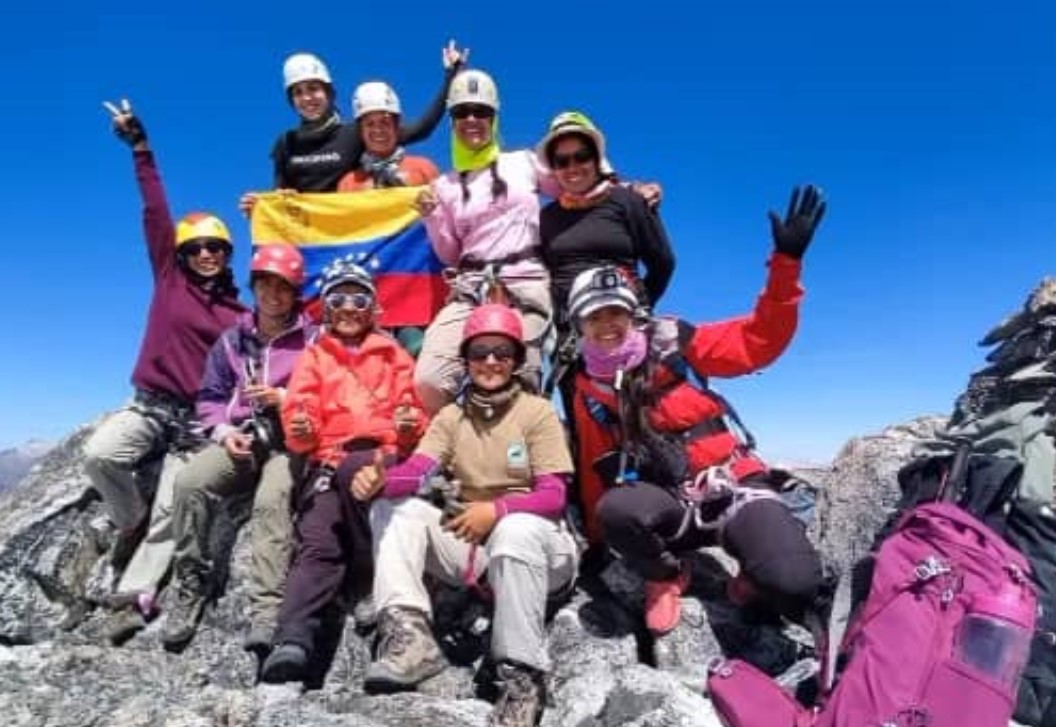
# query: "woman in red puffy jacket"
{"type": "Point", "coordinates": [660, 471]}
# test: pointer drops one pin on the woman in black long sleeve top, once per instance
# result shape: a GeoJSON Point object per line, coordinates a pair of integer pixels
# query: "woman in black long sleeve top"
{"type": "Point", "coordinates": [315, 156]}
{"type": "Point", "coordinates": [596, 221]}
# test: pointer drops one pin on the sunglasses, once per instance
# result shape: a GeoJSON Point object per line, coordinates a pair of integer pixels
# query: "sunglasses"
{"type": "Point", "coordinates": [503, 352]}
{"type": "Point", "coordinates": [213, 247]}
{"type": "Point", "coordinates": [356, 301]}
{"type": "Point", "coordinates": [579, 156]}
{"type": "Point", "coordinates": [477, 111]}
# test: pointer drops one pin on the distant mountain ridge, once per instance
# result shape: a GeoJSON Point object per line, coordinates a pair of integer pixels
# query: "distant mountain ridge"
{"type": "Point", "coordinates": [16, 462]}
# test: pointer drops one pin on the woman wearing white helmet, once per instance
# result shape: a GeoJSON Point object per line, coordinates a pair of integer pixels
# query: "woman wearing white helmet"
{"type": "Point", "coordinates": [483, 214]}
{"type": "Point", "coordinates": [315, 156]}
{"type": "Point", "coordinates": [384, 162]}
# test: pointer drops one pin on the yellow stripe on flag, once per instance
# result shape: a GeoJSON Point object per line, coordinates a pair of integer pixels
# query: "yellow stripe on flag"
{"type": "Point", "coordinates": [332, 218]}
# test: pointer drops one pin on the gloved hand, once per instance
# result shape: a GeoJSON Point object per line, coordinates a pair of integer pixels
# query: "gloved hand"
{"type": "Point", "coordinates": [127, 126]}
{"type": "Point", "coordinates": [792, 235]}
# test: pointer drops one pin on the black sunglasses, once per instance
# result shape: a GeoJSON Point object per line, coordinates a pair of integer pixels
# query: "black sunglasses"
{"type": "Point", "coordinates": [579, 156]}
{"type": "Point", "coordinates": [358, 301]}
{"type": "Point", "coordinates": [212, 246]}
{"type": "Point", "coordinates": [502, 352]}
{"type": "Point", "coordinates": [477, 111]}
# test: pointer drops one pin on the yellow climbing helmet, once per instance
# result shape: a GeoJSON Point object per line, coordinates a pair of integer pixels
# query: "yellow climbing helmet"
{"type": "Point", "coordinates": [201, 226]}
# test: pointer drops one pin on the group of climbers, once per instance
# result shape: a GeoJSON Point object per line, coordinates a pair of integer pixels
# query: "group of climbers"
{"type": "Point", "coordinates": [339, 428]}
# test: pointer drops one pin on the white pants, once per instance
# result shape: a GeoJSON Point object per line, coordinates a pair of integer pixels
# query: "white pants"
{"type": "Point", "coordinates": [526, 558]}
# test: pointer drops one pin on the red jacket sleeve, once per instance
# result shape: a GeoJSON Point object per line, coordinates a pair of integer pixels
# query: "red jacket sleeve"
{"type": "Point", "coordinates": [741, 345]}
{"type": "Point", "coordinates": [304, 393]}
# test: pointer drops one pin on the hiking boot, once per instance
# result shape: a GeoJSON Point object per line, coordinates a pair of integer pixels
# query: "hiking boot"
{"type": "Point", "coordinates": [258, 640]}
{"type": "Point", "coordinates": [125, 544]}
{"type": "Point", "coordinates": [663, 602]}
{"type": "Point", "coordinates": [522, 696]}
{"type": "Point", "coordinates": [183, 614]}
{"type": "Point", "coordinates": [287, 663]}
{"type": "Point", "coordinates": [365, 614]}
{"type": "Point", "coordinates": [124, 623]}
{"type": "Point", "coordinates": [407, 652]}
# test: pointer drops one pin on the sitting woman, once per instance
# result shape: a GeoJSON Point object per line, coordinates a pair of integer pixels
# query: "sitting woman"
{"type": "Point", "coordinates": [194, 300]}
{"type": "Point", "coordinates": [506, 450]}
{"type": "Point", "coordinates": [244, 384]}
{"type": "Point", "coordinates": [660, 472]}
{"type": "Point", "coordinates": [350, 398]}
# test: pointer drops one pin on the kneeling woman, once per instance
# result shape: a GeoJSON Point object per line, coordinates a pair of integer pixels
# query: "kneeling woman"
{"type": "Point", "coordinates": [660, 473]}
{"type": "Point", "coordinates": [506, 449]}
{"type": "Point", "coordinates": [350, 400]}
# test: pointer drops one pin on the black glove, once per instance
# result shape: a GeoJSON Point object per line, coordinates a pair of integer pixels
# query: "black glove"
{"type": "Point", "coordinates": [131, 131]}
{"type": "Point", "coordinates": [127, 125]}
{"type": "Point", "coordinates": [793, 235]}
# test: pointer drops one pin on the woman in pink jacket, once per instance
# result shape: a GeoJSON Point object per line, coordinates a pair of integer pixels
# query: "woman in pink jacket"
{"type": "Point", "coordinates": [483, 220]}
{"type": "Point", "coordinates": [485, 212]}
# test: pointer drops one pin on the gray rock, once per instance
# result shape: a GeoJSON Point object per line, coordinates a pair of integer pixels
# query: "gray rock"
{"type": "Point", "coordinates": [861, 490]}
{"type": "Point", "coordinates": [56, 669]}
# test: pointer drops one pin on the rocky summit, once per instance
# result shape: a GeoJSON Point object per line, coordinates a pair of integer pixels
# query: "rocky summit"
{"type": "Point", "coordinates": [56, 668]}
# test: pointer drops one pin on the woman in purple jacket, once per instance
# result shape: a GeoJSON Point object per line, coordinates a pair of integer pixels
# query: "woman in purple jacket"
{"type": "Point", "coordinates": [244, 384]}
{"type": "Point", "coordinates": [194, 300]}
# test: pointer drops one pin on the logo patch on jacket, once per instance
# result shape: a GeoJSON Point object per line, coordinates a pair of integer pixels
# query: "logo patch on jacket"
{"type": "Point", "coordinates": [517, 460]}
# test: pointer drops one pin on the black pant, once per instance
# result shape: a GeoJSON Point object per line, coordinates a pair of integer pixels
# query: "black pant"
{"type": "Point", "coordinates": [333, 540]}
{"type": "Point", "coordinates": [639, 522]}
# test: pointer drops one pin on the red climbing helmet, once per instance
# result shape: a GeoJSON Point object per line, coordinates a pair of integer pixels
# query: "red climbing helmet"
{"type": "Point", "coordinates": [279, 259]}
{"type": "Point", "coordinates": [493, 318]}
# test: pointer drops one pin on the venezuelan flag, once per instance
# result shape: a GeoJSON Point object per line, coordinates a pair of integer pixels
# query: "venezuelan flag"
{"type": "Point", "coordinates": [380, 227]}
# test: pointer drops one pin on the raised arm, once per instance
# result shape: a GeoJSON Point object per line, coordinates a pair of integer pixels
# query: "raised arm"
{"type": "Point", "coordinates": [158, 226]}
{"type": "Point", "coordinates": [745, 344]}
{"type": "Point", "coordinates": [420, 129]}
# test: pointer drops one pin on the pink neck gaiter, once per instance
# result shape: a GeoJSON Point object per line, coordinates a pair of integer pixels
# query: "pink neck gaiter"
{"type": "Point", "coordinates": [602, 364]}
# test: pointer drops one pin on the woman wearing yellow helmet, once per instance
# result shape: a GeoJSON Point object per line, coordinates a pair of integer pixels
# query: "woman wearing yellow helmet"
{"type": "Point", "coordinates": [194, 300]}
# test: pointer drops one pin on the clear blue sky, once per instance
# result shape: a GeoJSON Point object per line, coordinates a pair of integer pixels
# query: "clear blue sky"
{"type": "Point", "coordinates": [930, 126]}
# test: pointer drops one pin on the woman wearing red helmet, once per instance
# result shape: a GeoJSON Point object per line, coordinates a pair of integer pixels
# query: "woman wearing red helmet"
{"type": "Point", "coordinates": [243, 387]}
{"type": "Point", "coordinates": [193, 301]}
{"type": "Point", "coordinates": [503, 519]}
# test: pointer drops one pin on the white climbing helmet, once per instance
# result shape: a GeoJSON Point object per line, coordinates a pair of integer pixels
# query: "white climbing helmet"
{"type": "Point", "coordinates": [475, 87]}
{"type": "Point", "coordinates": [304, 67]}
{"type": "Point", "coordinates": [375, 96]}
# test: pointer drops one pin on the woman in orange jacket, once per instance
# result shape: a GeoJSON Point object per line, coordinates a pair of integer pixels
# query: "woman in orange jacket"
{"type": "Point", "coordinates": [660, 471]}
{"type": "Point", "coordinates": [350, 402]}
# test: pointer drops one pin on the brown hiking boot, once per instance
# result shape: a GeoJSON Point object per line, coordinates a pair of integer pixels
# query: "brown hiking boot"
{"type": "Point", "coordinates": [522, 696]}
{"type": "Point", "coordinates": [185, 609]}
{"type": "Point", "coordinates": [407, 652]}
{"type": "Point", "coordinates": [124, 623]}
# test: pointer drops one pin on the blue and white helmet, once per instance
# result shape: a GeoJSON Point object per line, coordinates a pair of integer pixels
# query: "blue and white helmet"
{"type": "Point", "coordinates": [345, 270]}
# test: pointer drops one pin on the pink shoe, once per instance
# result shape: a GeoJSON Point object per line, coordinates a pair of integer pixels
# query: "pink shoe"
{"type": "Point", "coordinates": [663, 604]}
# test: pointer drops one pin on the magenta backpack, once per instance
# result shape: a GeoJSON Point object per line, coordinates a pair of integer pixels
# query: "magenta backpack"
{"type": "Point", "coordinates": [941, 641]}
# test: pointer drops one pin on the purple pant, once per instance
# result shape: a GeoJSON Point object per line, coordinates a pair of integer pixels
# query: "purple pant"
{"type": "Point", "coordinates": [333, 541]}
